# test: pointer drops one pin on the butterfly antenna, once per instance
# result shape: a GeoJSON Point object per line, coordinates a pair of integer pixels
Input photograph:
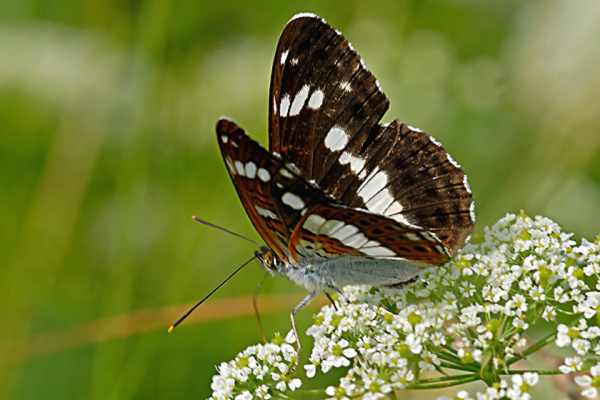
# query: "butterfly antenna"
{"type": "Point", "coordinates": [204, 222]}
{"type": "Point", "coordinates": [191, 310]}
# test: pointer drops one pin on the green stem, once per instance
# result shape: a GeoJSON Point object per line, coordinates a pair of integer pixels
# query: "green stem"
{"type": "Point", "coordinates": [436, 383]}
{"type": "Point", "coordinates": [455, 362]}
{"type": "Point", "coordinates": [540, 372]}
{"type": "Point", "coordinates": [460, 367]}
{"type": "Point", "coordinates": [533, 348]}
{"type": "Point", "coordinates": [448, 356]}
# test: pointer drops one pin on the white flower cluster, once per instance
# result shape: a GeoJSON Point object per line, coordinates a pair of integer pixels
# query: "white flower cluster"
{"type": "Point", "coordinates": [470, 320]}
{"type": "Point", "coordinates": [517, 387]}
{"type": "Point", "coordinates": [258, 372]}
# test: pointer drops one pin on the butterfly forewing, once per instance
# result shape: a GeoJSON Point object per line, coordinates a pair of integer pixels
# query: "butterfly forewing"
{"type": "Point", "coordinates": [413, 180]}
{"type": "Point", "coordinates": [273, 196]}
{"type": "Point", "coordinates": [322, 96]}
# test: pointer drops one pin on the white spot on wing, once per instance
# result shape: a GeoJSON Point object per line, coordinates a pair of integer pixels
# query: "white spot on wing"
{"type": "Point", "coordinates": [299, 100]}
{"type": "Point", "coordinates": [293, 201]}
{"type": "Point", "coordinates": [292, 167]}
{"type": "Point", "coordinates": [230, 166]}
{"type": "Point", "coordinates": [316, 99]}
{"type": "Point", "coordinates": [284, 106]}
{"type": "Point", "coordinates": [344, 232]}
{"type": "Point", "coordinates": [395, 208]}
{"type": "Point", "coordinates": [452, 160]}
{"type": "Point", "coordinates": [294, 61]}
{"type": "Point", "coordinates": [263, 212]}
{"type": "Point", "coordinates": [224, 138]}
{"type": "Point", "coordinates": [379, 251]}
{"type": "Point", "coordinates": [472, 211]}
{"type": "Point", "coordinates": [264, 175]}
{"type": "Point", "coordinates": [305, 15]}
{"type": "Point", "coordinates": [284, 56]}
{"type": "Point", "coordinates": [356, 163]}
{"type": "Point", "coordinates": [356, 240]}
{"type": "Point", "coordinates": [239, 167]}
{"type": "Point", "coordinates": [412, 236]}
{"type": "Point", "coordinates": [345, 86]}
{"type": "Point", "coordinates": [380, 202]}
{"type": "Point", "coordinates": [285, 173]}
{"type": "Point", "coordinates": [331, 226]}
{"type": "Point", "coordinates": [313, 223]}
{"type": "Point", "coordinates": [250, 170]}
{"type": "Point", "coordinates": [432, 237]}
{"type": "Point", "coordinates": [414, 128]}
{"type": "Point", "coordinates": [377, 181]}
{"type": "Point", "coordinates": [433, 140]}
{"type": "Point", "coordinates": [336, 139]}
{"type": "Point", "coordinates": [466, 183]}
{"type": "Point", "coordinates": [402, 219]}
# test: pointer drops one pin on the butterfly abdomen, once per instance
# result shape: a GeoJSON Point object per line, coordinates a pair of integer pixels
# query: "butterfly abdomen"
{"type": "Point", "coordinates": [328, 273]}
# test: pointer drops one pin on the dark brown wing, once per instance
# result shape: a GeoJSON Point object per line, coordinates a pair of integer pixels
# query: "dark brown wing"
{"type": "Point", "coordinates": [321, 95]}
{"type": "Point", "coordinates": [324, 114]}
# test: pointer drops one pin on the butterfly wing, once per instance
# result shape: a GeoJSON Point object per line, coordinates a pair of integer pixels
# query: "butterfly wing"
{"type": "Point", "coordinates": [272, 194]}
{"type": "Point", "coordinates": [324, 113]}
{"type": "Point", "coordinates": [321, 95]}
{"type": "Point", "coordinates": [328, 230]}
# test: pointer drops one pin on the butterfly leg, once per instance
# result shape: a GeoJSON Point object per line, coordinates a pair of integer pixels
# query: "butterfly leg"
{"type": "Point", "coordinates": [299, 307]}
{"type": "Point", "coordinates": [340, 293]}
{"type": "Point", "coordinates": [331, 300]}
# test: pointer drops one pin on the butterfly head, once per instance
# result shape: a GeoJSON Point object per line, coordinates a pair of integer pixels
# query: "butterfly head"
{"type": "Point", "coordinates": [267, 259]}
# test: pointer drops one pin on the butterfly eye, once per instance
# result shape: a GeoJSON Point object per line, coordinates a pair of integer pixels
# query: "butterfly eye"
{"type": "Point", "coordinates": [266, 258]}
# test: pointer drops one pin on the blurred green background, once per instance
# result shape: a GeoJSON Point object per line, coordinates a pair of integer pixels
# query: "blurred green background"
{"type": "Point", "coordinates": [107, 114]}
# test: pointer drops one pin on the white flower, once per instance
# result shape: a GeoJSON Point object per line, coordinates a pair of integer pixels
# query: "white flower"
{"type": "Point", "coordinates": [246, 395]}
{"type": "Point", "coordinates": [571, 364]}
{"type": "Point", "coordinates": [521, 385]}
{"type": "Point", "coordinates": [311, 370]}
{"type": "Point", "coordinates": [294, 384]}
{"type": "Point", "coordinates": [477, 308]}
{"type": "Point", "coordinates": [549, 313]}
{"type": "Point", "coordinates": [562, 336]}
{"type": "Point", "coordinates": [589, 383]}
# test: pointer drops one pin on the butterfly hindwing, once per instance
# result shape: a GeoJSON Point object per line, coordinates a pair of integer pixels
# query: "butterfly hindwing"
{"type": "Point", "coordinates": [328, 230]}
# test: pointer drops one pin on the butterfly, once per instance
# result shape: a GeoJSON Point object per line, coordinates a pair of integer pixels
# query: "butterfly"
{"type": "Point", "coordinates": [340, 198]}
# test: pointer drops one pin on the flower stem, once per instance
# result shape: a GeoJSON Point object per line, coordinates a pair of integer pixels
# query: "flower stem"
{"type": "Point", "coordinates": [533, 348]}
{"type": "Point", "coordinates": [442, 382]}
{"type": "Point", "coordinates": [539, 372]}
{"type": "Point", "coordinates": [454, 362]}
{"type": "Point", "coordinates": [460, 367]}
